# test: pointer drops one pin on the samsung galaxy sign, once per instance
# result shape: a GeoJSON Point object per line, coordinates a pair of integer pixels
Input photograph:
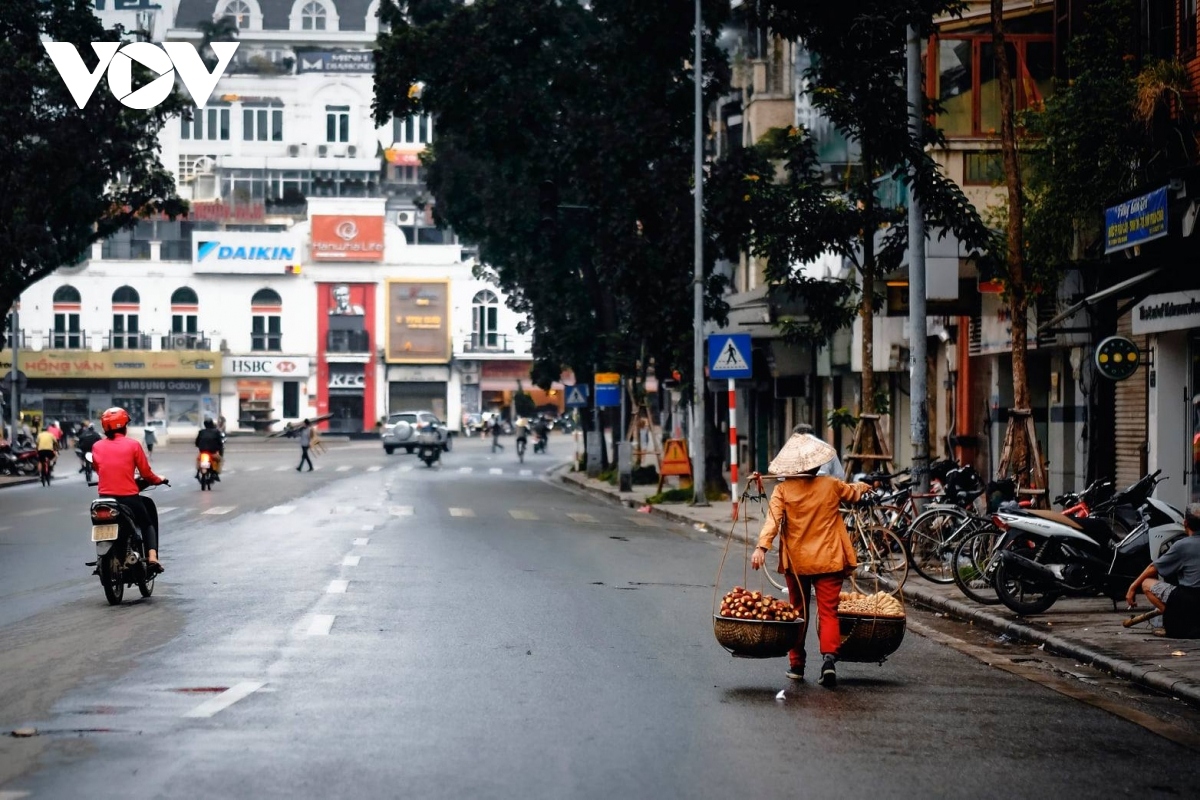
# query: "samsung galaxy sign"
{"type": "Point", "coordinates": [166, 61]}
{"type": "Point", "coordinates": [245, 252]}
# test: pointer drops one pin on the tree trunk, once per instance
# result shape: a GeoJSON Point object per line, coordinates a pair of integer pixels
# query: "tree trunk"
{"type": "Point", "coordinates": [1015, 255]}
{"type": "Point", "coordinates": [866, 308]}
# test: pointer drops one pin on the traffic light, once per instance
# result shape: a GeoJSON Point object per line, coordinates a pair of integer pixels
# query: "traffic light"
{"type": "Point", "coordinates": [548, 206]}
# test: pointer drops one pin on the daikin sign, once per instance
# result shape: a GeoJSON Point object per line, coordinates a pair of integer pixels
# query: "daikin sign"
{"type": "Point", "coordinates": [166, 60]}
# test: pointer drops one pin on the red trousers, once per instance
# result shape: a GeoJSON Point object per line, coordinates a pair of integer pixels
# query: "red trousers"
{"type": "Point", "coordinates": [829, 631]}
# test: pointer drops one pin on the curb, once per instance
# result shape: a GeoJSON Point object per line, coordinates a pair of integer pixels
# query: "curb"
{"type": "Point", "coordinates": [18, 481]}
{"type": "Point", "coordinates": [1150, 676]}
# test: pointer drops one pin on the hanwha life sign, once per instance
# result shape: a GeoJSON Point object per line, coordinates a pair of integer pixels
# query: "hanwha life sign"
{"type": "Point", "coordinates": [347, 238]}
{"type": "Point", "coordinates": [418, 329]}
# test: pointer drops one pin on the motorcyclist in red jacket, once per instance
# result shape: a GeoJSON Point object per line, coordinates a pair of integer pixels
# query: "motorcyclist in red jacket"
{"type": "Point", "coordinates": [115, 458]}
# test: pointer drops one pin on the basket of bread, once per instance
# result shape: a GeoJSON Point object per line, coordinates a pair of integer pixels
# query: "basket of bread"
{"type": "Point", "coordinates": [872, 626]}
{"type": "Point", "coordinates": [756, 625]}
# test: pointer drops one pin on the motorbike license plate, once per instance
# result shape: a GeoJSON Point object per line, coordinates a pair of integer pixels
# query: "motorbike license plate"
{"type": "Point", "coordinates": [104, 533]}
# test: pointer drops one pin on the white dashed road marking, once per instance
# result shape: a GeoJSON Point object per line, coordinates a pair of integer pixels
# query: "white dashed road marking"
{"type": "Point", "coordinates": [462, 512]}
{"type": "Point", "coordinates": [344, 468]}
{"type": "Point", "coordinates": [406, 468]}
{"type": "Point", "coordinates": [280, 510]}
{"type": "Point", "coordinates": [321, 624]}
{"type": "Point", "coordinates": [401, 511]}
{"type": "Point", "coordinates": [337, 587]}
{"type": "Point", "coordinates": [368, 527]}
{"type": "Point", "coordinates": [225, 699]}
{"type": "Point", "coordinates": [582, 517]}
{"type": "Point", "coordinates": [219, 510]}
{"type": "Point", "coordinates": [363, 542]}
{"type": "Point", "coordinates": [351, 561]}
{"type": "Point", "coordinates": [525, 473]}
{"type": "Point", "coordinates": [283, 468]}
{"type": "Point", "coordinates": [13, 795]}
{"type": "Point", "coordinates": [375, 468]}
{"type": "Point", "coordinates": [254, 469]}
{"type": "Point", "coordinates": [166, 509]}
{"type": "Point", "coordinates": [466, 470]}
{"type": "Point", "coordinates": [496, 471]}
{"type": "Point", "coordinates": [517, 513]}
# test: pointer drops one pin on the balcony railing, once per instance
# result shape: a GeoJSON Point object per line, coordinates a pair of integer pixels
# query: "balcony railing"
{"type": "Point", "coordinates": [127, 341]}
{"type": "Point", "coordinates": [185, 341]}
{"type": "Point", "coordinates": [347, 342]}
{"type": "Point", "coordinates": [43, 339]}
{"type": "Point", "coordinates": [67, 340]}
{"type": "Point", "coordinates": [491, 343]}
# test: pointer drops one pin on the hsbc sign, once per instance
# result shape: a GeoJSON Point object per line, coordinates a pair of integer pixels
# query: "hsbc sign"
{"type": "Point", "coordinates": [266, 367]}
{"type": "Point", "coordinates": [165, 60]}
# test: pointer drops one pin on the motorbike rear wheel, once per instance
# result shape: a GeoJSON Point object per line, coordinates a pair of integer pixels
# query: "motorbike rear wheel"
{"type": "Point", "coordinates": [1026, 599]}
{"type": "Point", "coordinates": [146, 587]}
{"type": "Point", "coordinates": [113, 580]}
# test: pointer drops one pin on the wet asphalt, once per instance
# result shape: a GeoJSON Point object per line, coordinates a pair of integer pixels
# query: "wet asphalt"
{"type": "Point", "coordinates": [407, 632]}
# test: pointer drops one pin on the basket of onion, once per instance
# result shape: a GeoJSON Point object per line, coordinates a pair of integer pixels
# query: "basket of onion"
{"type": "Point", "coordinates": [756, 625]}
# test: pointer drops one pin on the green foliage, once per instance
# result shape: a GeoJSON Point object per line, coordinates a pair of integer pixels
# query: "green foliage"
{"type": "Point", "coordinates": [523, 402]}
{"type": "Point", "coordinates": [69, 177]}
{"type": "Point", "coordinates": [597, 100]}
{"type": "Point", "coordinates": [671, 496]}
{"type": "Point", "coordinates": [841, 418]}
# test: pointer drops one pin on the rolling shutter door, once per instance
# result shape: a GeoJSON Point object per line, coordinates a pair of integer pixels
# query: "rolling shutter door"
{"type": "Point", "coordinates": [1130, 409]}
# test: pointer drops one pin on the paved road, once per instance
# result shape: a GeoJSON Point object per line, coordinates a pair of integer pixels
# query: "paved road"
{"type": "Point", "coordinates": [473, 631]}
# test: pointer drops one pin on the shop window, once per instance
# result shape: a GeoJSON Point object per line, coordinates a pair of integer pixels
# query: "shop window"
{"type": "Point", "coordinates": [125, 334]}
{"type": "Point", "coordinates": [968, 81]}
{"type": "Point", "coordinates": [291, 399]}
{"type": "Point", "coordinates": [485, 309]}
{"type": "Point", "coordinates": [266, 326]}
{"type": "Point", "coordinates": [184, 411]}
{"type": "Point", "coordinates": [136, 408]}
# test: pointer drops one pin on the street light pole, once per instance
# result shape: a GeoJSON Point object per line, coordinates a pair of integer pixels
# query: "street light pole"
{"type": "Point", "coordinates": [14, 391]}
{"type": "Point", "coordinates": [698, 378]}
{"type": "Point", "coordinates": [917, 323]}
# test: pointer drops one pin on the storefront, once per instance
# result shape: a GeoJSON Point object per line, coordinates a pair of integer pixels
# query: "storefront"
{"type": "Point", "coordinates": [419, 388]}
{"type": "Point", "coordinates": [1172, 322]}
{"type": "Point", "coordinates": [260, 393]}
{"type": "Point", "coordinates": [346, 377]}
{"type": "Point", "coordinates": [418, 350]}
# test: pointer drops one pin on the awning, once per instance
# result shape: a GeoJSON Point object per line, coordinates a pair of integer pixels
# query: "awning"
{"type": "Point", "coordinates": [1103, 294]}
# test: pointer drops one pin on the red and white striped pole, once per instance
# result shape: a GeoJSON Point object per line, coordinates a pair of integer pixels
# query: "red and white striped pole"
{"type": "Point", "coordinates": [733, 454]}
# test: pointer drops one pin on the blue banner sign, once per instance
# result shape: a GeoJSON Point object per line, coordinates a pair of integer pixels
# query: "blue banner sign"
{"type": "Point", "coordinates": [1135, 221]}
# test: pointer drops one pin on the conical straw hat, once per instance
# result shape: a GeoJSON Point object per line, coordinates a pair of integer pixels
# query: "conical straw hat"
{"type": "Point", "coordinates": [801, 453]}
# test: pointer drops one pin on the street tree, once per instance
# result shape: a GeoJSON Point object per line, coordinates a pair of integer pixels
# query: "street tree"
{"type": "Point", "coordinates": [69, 177]}
{"type": "Point", "coordinates": [857, 81]}
{"type": "Point", "coordinates": [564, 152]}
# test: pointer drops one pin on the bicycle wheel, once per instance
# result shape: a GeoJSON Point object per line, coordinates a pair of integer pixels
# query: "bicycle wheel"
{"type": "Point", "coordinates": [931, 539]}
{"type": "Point", "coordinates": [882, 559]}
{"type": "Point", "coordinates": [973, 565]}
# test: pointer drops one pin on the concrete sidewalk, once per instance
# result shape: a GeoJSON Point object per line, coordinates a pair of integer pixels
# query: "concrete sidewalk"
{"type": "Point", "coordinates": [1087, 630]}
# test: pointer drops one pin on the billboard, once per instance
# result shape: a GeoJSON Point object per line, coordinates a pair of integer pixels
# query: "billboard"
{"type": "Point", "coordinates": [107, 364]}
{"type": "Point", "coordinates": [244, 253]}
{"type": "Point", "coordinates": [347, 238]}
{"type": "Point", "coordinates": [418, 327]}
{"type": "Point", "coordinates": [1136, 221]}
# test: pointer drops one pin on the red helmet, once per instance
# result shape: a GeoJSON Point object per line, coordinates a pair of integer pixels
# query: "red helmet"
{"type": "Point", "coordinates": [114, 419]}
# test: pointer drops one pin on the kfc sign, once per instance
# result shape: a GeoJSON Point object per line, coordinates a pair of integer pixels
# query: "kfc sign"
{"type": "Point", "coordinates": [266, 367]}
{"type": "Point", "coordinates": [347, 238]}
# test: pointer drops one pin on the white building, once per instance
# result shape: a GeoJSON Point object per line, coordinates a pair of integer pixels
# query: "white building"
{"type": "Point", "coordinates": [308, 278]}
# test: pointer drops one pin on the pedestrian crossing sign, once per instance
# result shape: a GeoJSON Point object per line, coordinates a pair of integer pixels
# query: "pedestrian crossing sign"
{"type": "Point", "coordinates": [577, 396]}
{"type": "Point", "coordinates": [729, 355]}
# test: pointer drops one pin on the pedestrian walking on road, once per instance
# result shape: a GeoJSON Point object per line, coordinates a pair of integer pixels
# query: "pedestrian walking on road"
{"type": "Point", "coordinates": [305, 437]}
{"type": "Point", "coordinates": [496, 434]}
{"type": "Point", "coordinates": [815, 552]}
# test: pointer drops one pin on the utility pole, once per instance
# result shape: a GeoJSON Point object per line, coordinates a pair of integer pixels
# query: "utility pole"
{"type": "Point", "coordinates": [917, 322]}
{"type": "Point", "coordinates": [698, 378]}
{"type": "Point", "coordinates": [14, 391]}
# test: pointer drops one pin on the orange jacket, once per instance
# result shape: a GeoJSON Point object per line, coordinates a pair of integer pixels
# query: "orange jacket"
{"type": "Point", "coordinates": [815, 541]}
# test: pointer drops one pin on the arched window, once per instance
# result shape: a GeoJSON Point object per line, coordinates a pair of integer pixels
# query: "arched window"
{"type": "Point", "coordinates": [266, 322]}
{"type": "Point", "coordinates": [245, 15]}
{"type": "Point", "coordinates": [485, 311]}
{"type": "Point", "coordinates": [373, 23]}
{"type": "Point", "coordinates": [313, 15]}
{"type": "Point", "coordinates": [185, 318]}
{"type": "Point", "coordinates": [125, 333]}
{"type": "Point", "coordinates": [67, 294]}
{"type": "Point", "coordinates": [67, 304]}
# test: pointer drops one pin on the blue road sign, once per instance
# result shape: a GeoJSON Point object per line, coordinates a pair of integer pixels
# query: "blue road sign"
{"type": "Point", "coordinates": [577, 396]}
{"type": "Point", "coordinates": [729, 355]}
{"type": "Point", "coordinates": [608, 390]}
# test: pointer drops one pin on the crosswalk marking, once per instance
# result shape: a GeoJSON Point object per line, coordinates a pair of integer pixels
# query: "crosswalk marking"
{"type": "Point", "coordinates": [368, 527]}
{"type": "Point", "coordinates": [166, 509]}
{"type": "Point", "coordinates": [254, 469]}
{"type": "Point", "coordinates": [344, 468]}
{"type": "Point", "coordinates": [283, 468]}
{"type": "Point", "coordinates": [351, 561]}
{"type": "Point", "coordinates": [518, 513]}
{"type": "Point", "coordinates": [280, 510]}
{"type": "Point", "coordinates": [462, 512]}
{"type": "Point", "coordinates": [525, 473]}
{"type": "Point", "coordinates": [401, 511]}
{"type": "Point", "coordinates": [362, 542]}
{"type": "Point", "coordinates": [219, 510]}
{"type": "Point", "coordinates": [496, 471]}
{"type": "Point", "coordinates": [375, 468]}
{"type": "Point", "coordinates": [582, 517]}
{"type": "Point", "coordinates": [225, 699]}
{"type": "Point", "coordinates": [406, 468]}
{"type": "Point", "coordinates": [466, 470]}
{"type": "Point", "coordinates": [337, 587]}
{"type": "Point", "coordinates": [321, 625]}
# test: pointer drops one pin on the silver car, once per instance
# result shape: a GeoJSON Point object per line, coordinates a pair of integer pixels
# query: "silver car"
{"type": "Point", "coordinates": [401, 430]}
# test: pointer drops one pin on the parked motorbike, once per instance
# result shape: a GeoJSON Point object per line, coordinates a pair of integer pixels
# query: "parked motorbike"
{"type": "Point", "coordinates": [429, 449]}
{"type": "Point", "coordinates": [120, 550]}
{"type": "Point", "coordinates": [19, 460]}
{"type": "Point", "coordinates": [1045, 555]}
{"type": "Point", "coordinates": [205, 473]}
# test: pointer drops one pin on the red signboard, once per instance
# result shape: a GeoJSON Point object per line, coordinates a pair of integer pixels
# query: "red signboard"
{"type": "Point", "coordinates": [347, 238]}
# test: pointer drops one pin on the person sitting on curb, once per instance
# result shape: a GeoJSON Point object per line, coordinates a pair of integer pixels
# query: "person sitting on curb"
{"type": "Point", "coordinates": [1175, 570]}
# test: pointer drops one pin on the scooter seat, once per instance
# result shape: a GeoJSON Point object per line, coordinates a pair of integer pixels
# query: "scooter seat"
{"type": "Point", "coordinates": [1054, 516]}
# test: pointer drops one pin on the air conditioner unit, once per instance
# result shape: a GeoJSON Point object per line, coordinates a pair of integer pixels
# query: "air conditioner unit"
{"type": "Point", "coordinates": [181, 341]}
{"type": "Point", "coordinates": [405, 217]}
{"type": "Point", "coordinates": [351, 151]}
{"type": "Point", "coordinates": [293, 150]}
{"type": "Point", "coordinates": [322, 151]}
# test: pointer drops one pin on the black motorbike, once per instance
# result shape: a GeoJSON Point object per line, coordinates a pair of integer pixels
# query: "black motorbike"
{"type": "Point", "coordinates": [120, 548]}
{"type": "Point", "coordinates": [19, 460]}
{"type": "Point", "coordinates": [429, 449]}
